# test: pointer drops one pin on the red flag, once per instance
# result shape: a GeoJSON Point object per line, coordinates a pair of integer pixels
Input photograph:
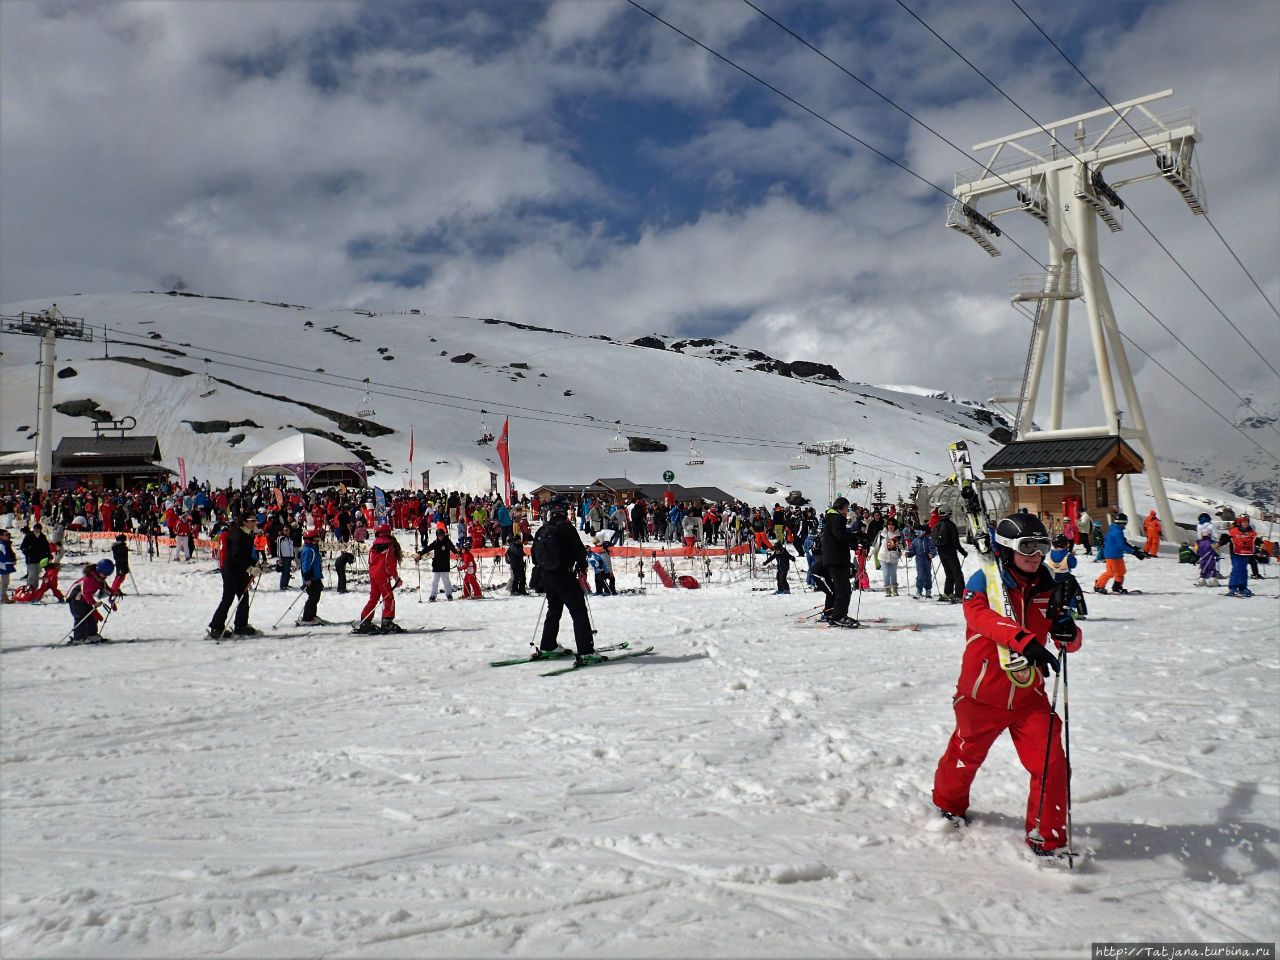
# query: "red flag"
{"type": "Point", "coordinates": [506, 463]}
{"type": "Point", "coordinates": [411, 458]}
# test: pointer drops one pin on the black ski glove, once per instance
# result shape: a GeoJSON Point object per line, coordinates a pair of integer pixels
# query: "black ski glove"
{"type": "Point", "coordinates": [1064, 630]}
{"type": "Point", "coordinates": [1039, 657]}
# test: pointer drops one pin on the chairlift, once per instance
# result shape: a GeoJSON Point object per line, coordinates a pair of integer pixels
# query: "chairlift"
{"type": "Point", "coordinates": [485, 436]}
{"type": "Point", "coordinates": [695, 459]}
{"type": "Point", "coordinates": [209, 388]}
{"type": "Point", "coordinates": [366, 405]}
{"type": "Point", "coordinates": [619, 444]}
{"type": "Point", "coordinates": [798, 462]}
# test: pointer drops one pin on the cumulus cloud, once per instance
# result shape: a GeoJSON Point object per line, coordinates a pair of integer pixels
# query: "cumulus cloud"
{"type": "Point", "coordinates": [581, 166]}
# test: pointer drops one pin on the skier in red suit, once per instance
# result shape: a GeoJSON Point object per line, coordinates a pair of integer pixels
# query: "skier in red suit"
{"type": "Point", "coordinates": [384, 577]}
{"type": "Point", "coordinates": [987, 702]}
{"type": "Point", "coordinates": [470, 583]}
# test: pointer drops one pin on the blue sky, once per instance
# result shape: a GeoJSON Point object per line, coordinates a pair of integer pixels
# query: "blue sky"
{"type": "Point", "coordinates": [581, 166]}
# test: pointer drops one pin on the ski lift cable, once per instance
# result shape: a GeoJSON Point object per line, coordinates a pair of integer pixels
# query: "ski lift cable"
{"type": "Point", "coordinates": [1127, 123]}
{"type": "Point", "coordinates": [917, 176]}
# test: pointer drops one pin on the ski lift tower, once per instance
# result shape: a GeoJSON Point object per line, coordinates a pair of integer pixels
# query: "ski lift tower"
{"type": "Point", "coordinates": [49, 325]}
{"type": "Point", "coordinates": [829, 449]}
{"type": "Point", "coordinates": [1063, 187]}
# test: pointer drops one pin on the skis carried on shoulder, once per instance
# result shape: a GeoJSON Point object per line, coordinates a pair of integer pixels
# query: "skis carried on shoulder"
{"type": "Point", "coordinates": [1018, 669]}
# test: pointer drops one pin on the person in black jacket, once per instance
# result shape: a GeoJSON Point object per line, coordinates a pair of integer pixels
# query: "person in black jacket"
{"type": "Point", "coordinates": [837, 544]}
{"type": "Point", "coordinates": [238, 571]}
{"type": "Point", "coordinates": [441, 550]}
{"type": "Point", "coordinates": [947, 539]}
{"type": "Point", "coordinates": [515, 559]}
{"type": "Point", "coordinates": [783, 557]}
{"type": "Point", "coordinates": [560, 583]}
{"type": "Point", "coordinates": [35, 547]}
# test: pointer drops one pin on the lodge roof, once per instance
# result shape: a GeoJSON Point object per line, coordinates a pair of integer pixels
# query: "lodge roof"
{"type": "Point", "coordinates": [1062, 452]}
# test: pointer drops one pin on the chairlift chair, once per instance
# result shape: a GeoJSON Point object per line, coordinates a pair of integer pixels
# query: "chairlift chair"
{"type": "Point", "coordinates": [619, 444]}
{"type": "Point", "coordinates": [695, 459]}
{"type": "Point", "coordinates": [209, 388]}
{"type": "Point", "coordinates": [798, 462]}
{"type": "Point", "coordinates": [485, 436]}
{"type": "Point", "coordinates": [366, 405]}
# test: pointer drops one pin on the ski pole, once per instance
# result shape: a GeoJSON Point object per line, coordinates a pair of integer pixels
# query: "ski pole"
{"type": "Point", "coordinates": [135, 583]}
{"type": "Point", "coordinates": [537, 623]}
{"type": "Point", "coordinates": [418, 564]}
{"type": "Point", "coordinates": [586, 599]}
{"type": "Point", "coordinates": [92, 610]}
{"type": "Point", "coordinates": [1066, 738]}
{"type": "Point", "coordinates": [1036, 836]}
{"type": "Point", "coordinates": [288, 608]}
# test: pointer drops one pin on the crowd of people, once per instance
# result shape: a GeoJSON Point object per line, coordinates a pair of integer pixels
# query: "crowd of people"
{"type": "Point", "coordinates": [266, 527]}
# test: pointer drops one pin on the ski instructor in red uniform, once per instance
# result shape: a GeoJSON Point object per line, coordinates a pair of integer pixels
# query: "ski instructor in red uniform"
{"type": "Point", "coordinates": [987, 701]}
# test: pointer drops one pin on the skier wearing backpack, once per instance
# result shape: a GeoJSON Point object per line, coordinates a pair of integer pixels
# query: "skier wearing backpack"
{"type": "Point", "coordinates": [560, 556]}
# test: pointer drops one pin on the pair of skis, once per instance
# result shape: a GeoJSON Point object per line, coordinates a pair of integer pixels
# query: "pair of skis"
{"type": "Point", "coordinates": [617, 651]}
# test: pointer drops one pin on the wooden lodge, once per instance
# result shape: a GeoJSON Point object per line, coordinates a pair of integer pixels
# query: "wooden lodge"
{"type": "Point", "coordinates": [1064, 476]}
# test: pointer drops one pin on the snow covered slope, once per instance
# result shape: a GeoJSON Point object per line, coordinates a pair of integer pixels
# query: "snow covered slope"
{"type": "Point", "coordinates": [756, 788]}
{"type": "Point", "coordinates": [280, 367]}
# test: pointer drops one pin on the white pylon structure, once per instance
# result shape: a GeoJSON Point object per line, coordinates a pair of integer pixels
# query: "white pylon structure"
{"type": "Point", "coordinates": [831, 449]}
{"type": "Point", "coordinates": [1055, 174]}
{"type": "Point", "coordinates": [49, 325]}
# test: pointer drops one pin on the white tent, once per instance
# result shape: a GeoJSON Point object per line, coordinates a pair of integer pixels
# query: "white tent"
{"type": "Point", "coordinates": [314, 460]}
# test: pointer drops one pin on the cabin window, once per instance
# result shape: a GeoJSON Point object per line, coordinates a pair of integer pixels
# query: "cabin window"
{"type": "Point", "coordinates": [1100, 492]}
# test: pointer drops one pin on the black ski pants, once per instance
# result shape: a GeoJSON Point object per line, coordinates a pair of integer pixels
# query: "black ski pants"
{"type": "Point", "coordinates": [340, 568]}
{"type": "Point", "coordinates": [838, 581]}
{"type": "Point", "coordinates": [235, 589]}
{"type": "Point", "coordinates": [313, 588]}
{"type": "Point", "coordinates": [517, 580]}
{"type": "Point", "coordinates": [953, 583]}
{"type": "Point", "coordinates": [564, 592]}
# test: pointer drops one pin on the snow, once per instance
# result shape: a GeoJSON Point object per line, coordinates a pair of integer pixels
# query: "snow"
{"type": "Point", "coordinates": [755, 788]}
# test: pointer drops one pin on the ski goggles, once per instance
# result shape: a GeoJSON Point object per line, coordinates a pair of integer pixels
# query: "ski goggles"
{"type": "Point", "coordinates": [1028, 546]}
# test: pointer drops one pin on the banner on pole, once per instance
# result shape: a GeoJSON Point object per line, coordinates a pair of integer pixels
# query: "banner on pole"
{"type": "Point", "coordinates": [182, 472]}
{"type": "Point", "coordinates": [504, 456]}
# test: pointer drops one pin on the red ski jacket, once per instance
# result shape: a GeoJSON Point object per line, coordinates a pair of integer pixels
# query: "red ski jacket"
{"type": "Point", "coordinates": [382, 560]}
{"type": "Point", "coordinates": [981, 678]}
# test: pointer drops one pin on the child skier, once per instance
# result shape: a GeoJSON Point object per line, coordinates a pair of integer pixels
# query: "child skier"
{"type": "Point", "coordinates": [1207, 552]}
{"type": "Point", "coordinates": [82, 600]}
{"type": "Point", "coordinates": [120, 557]}
{"type": "Point", "coordinates": [1061, 561]}
{"type": "Point", "coordinates": [515, 560]}
{"type": "Point", "coordinates": [924, 551]}
{"type": "Point", "coordinates": [783, 556]}
{"type": "Point", "coordinates": [50, 569]}
{"type": "Point", "coordinates": [467, 566]}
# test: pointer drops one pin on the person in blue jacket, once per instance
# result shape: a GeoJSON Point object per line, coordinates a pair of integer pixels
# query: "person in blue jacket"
{"type": "Point", "coordinates": [503, 516]}
{"type": "Point", "coordinates": [1114, 547]}
{"type": "Point", "coordinates": [1061, 561]}
{"type": "Point", "coordinates": [312, 578]}
{"type": "Point", "coordinates": [8, 563]}
{"type": "Point", "coordinates": [922, 548]}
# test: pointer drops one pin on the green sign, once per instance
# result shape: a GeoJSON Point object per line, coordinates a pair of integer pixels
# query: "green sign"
{"type": "Point", "coordinates": [668, 475]}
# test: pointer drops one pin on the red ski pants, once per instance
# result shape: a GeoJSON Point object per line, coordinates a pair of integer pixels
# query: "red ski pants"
{"type": "Point", "coordinates": [380, 589]}
{"type": "Point", "coordinates": [977, 727]}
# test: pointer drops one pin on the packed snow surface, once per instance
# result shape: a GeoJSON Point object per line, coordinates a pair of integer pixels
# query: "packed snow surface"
{"type": "Point", "coordinates": [755, 788]}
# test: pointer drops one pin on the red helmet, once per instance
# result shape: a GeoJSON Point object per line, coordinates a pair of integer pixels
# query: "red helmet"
{"type": "Point", "coordinates": [382, 530]}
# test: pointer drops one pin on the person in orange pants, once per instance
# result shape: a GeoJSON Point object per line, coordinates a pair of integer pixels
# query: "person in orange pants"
{"type": "Point", "coordinates": [1152, 529]}
{"type": "Point", "coordinates": [1114, 547]}
{"type": "Point", "coordinates": [987, 702]}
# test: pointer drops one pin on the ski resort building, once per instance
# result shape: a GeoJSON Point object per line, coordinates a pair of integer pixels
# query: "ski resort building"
{"type": "Point", "coordinates": [1064, 476]}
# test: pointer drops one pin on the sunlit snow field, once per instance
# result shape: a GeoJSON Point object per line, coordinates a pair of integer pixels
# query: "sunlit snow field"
{"type": "Point", "coordinates": [756, 788]}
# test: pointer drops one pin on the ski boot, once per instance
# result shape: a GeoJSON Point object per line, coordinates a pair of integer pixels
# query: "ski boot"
{"type": "Point", "coordinates": [364, 626]}
{"type": "Point", "coordinates": [223, 634]}
{"type": "Point", "coordinates": [390, 626]}
{"type": "Point", "coordinates": [1118, 588]}
{"type": "Point", "coordinates": [588, 658]}
{"type": "Point", "coordinates": [1100, 590]}
{"type": "Point", "coordinates": [957, 821]}
{"type": "Point", "coordinates": [249, 631]}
